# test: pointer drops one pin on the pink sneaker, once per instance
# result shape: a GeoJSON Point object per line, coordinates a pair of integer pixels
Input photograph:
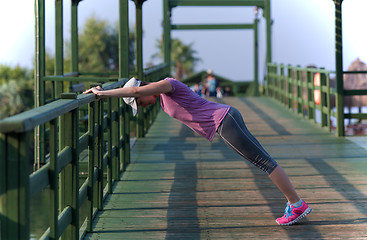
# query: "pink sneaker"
{"type": "Point", "coordinates": [293, 214]}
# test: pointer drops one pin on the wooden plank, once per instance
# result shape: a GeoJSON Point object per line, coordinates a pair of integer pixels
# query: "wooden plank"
{"type": "Point", "coordinates": [180, 186]}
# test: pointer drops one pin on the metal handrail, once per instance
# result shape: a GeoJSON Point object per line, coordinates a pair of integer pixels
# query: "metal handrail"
{"type": "Point", "coordinates": [105, 141]}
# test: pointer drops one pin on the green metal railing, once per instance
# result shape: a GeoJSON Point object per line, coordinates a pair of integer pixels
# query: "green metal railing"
{"type": "Point", "coordinates": [106, 143]}
{"type": "Point", "coordinates": [295, 88]}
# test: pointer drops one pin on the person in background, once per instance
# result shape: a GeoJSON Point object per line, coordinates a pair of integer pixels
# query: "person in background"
{"type": "Point", "coordinates": [197, 88]}
{"type": "Point", "coordinates": [211, 84]}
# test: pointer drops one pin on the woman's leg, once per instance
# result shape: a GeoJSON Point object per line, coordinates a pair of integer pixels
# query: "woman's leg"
{"type": "Point", "coordinates": [281, 180]}
{"type": "Point", "coordinates": [235, 133]}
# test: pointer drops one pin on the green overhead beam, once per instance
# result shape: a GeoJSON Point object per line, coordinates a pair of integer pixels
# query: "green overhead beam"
{"type": "Point", "coordinates": [211, 26]}
{"type": "Point", "coordinates": [175, 3]}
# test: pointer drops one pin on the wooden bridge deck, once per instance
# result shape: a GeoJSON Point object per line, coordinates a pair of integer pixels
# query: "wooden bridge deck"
{"type": "Point", "coordinates": [179, 186]}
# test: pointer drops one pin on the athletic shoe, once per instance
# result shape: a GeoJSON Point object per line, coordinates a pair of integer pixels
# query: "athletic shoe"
{"type": "Point", "coordinates": [293, 214]}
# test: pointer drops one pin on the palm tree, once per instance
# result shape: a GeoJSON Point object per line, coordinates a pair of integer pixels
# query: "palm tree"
{"type": "Point", "coordinates": [182, 56]}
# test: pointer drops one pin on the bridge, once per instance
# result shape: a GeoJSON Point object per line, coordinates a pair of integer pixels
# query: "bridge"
{"type": "Point", "coordinates": [108, 175]}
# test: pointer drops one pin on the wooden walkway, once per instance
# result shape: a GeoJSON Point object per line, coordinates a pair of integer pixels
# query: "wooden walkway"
{"type": "Point", "coordinates": [180, 186]}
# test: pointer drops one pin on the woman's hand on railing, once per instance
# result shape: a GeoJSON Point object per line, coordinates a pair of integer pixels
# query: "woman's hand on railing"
{"type": "Point", "coordinates": [96, 90]}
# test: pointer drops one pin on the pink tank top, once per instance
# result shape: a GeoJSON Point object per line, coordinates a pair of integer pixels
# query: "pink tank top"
{"type": "Point", "coordinates": [202, 116]}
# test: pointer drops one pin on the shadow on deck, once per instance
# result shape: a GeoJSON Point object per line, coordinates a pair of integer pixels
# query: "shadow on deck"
{"type": "Point", "coordinates": [180, 186]}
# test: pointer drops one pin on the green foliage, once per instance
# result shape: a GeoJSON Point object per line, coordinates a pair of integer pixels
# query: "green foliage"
{"type": "Point", "coordinates": [16, 96]}
{"type": "Point", "coordinates": [182, 56]}
{"type": "Point", "coordinates": [16, 90]}
{"type": "Point", "coordinates": [98, 48]}
{"type": "Point", "coordinates": [98, 52]}
{"type": "Point", "coordinates": [18, 73]}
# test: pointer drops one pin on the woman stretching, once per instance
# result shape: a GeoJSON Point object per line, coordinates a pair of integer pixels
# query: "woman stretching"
{"type": "Point", "coordinates": [207, 118]}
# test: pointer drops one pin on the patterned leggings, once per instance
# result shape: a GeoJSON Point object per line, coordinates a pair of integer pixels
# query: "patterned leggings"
{"type": "Point", "coordinates": [235, 133]}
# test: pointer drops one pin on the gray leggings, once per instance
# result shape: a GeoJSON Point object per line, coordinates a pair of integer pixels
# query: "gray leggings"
{"type": "Point", "coordinates": [235, 133]}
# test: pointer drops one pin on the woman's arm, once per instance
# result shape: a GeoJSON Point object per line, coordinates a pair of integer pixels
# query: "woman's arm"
{"type": "Point", "coordinates": [151, 89]}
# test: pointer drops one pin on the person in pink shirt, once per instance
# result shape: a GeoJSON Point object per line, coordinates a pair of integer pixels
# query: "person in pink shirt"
{"type": "Point", "coordinates": [208, 118]}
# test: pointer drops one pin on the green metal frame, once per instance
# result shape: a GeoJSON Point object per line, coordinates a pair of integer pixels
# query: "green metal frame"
{"type": "Point", "coordinates": [275, 86]}
{"type": "Point", "coordinates": [340, 91]}
{"type": "Point", "coordinates": [104, 142]}
{"type": "Point", "coordinates": [339, 67]}
{"type": "Point", "coordinates": [168, 26]}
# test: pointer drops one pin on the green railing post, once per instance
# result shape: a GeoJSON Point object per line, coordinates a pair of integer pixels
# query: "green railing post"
{"type": "Point", "coordinates": [267, 14]}
{"type": "Point", "coordinates": [339, 98]}
{"type": "Point", "coordinates": [273, 76]}
{"type": "Point", "coordinates": [281, 84]}
{"type": "Point", "coordinates": [54, 184]}
{"type": "Point", "coordinates": [39, 96]}
{"type": "Point", "coordinates": [63, 181]}
{"type": "Point", "coordinates": [256, 58]}
{"type": "Point", "coordinates": [290, 84]}
{"type": "Point", "coordinates": [59, 46]}
{"type": "Point", "coordinates": [100, 165]}
{"type": "Point", "coordinates": [124, 73]}
{"type": "Point", "coordinates": [92, 159]}
{"type": "Point", "coordinates": [3, 220]}
{"type": "Point", "coordinates": [15, 203]}
{"type": "Point", "coordinates": [268, 79]}
{"type": "Point", "coordinates": [74, 36]}
{"type": "Point", "coordinates": [328, 100]}
{"type": "Point", "coordinates": [124, 138]}
{"type": "Point", "coordinates": [24, 193]}
{"type": "Point", "coordinates": [323, 100]}
{"type": "Point", "coordinates": [109, 144]}
{"type": "Point", "coordinates": [309, 94]}
{"type": "Point", "coordinates": [299, 83]}
{"type": "Point", "coordinates": [71, 174]}
{"type": "Point", "coordinates": [139, 59]}
{"type": "Point", "coordinates": [115, 130]}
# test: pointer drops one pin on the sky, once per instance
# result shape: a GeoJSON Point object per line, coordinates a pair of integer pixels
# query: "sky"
{"type": "Point", "coordinates": [302, 33]}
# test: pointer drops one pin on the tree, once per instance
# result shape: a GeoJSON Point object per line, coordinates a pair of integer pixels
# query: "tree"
{"type": "Point", "coordinates": [16, 90]}
{"type": "Point", "coordinates": [8, 73]}
{"type": "Point", "coordinates": [182, 56]}
{"type": "Point", "coordinates": [98, 47]}
{"type": "Point", "coordinates": [15, 97]}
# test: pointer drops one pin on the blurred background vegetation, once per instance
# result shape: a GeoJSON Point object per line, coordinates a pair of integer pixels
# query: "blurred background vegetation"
{"type": "Point", "coordinates": [98, 52]}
